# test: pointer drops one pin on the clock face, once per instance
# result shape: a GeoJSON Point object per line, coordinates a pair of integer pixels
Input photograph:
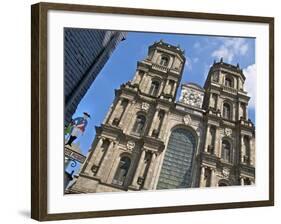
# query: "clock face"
{"type": "Point", "coordinates": [192, 98]}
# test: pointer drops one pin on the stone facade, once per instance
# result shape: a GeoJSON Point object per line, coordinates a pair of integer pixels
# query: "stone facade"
{"type": "Point", "coordinates": [148, 140]}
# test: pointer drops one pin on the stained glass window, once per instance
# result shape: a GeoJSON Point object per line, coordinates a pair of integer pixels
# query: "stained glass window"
{"type": "Point", "coordinates": [177, 164]}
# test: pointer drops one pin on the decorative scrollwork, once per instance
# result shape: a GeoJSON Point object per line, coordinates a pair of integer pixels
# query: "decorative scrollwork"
{"type": "Point", "coordinates": [73, 163]}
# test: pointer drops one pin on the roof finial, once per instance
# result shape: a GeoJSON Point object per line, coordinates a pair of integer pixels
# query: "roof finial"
{"type": "Point", "coordinates": [221, 61]}
{"type": "Point", "coordinates": [237, 65]}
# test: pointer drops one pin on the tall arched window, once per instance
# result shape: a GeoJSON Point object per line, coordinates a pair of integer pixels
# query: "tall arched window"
{"type": "Point", "coordinates": [154, 88]}
{"type": "Point", "coordinates": [177, 164]}
{"type": "Point", "coordinates": [122, 171]}
{"type": "Point", "coordinates": [164, 61]}
{"type": "Point", "coordinates": [225, 152]}
{"type": "Point", "coordinates": [139, 124]}
{"type": "Point", "coordinates": [228, 82]}
{"type": "Point", "coordinates": [226, 111]}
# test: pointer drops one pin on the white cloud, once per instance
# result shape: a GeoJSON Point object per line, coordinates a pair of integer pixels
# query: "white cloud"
{"type": "Point", "coordinates": [250, 84]}
{"type": "Point", "coordinates": [197, 45]}
{"type": "Point", "coordinates": [230, 48]}
{"type": "Point", "coordinates": [188, 64]}
{"type": "Point", "coordinates": [195, 60]}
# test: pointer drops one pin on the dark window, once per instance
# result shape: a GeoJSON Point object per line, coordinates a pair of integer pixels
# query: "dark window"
{"type": "Point", "coordinates": [216, 77]}
{"type": "Point", "coordinates": [122, 171]}
{"type": "Point", "coordinates": [226, 111]}
{"type": "Point", "coordinates": [228, 82]}
{"type": "Point", "coordinates": [177, 165]}
{"type": "Point", "coordinates": [225, 150]}
{"type": "Point", "coordinates": [139, 124]}
{"type": "Point", "coordinates": [154, 88]}
{"type": "Point", "coordinates": [164, 61]}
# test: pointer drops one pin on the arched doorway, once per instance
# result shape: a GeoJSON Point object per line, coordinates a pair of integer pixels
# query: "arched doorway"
{"type": "Point", "coordinates": [177, 164]}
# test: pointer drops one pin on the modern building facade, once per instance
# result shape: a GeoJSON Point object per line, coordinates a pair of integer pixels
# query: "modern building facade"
{"type": "Point", "coordinates": [149, 141]}
{"type": "Point", "coordinates": [85, 53]}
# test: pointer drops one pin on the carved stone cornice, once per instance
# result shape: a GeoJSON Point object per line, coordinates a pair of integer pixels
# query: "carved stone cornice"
{"type": "Point", "coordinates": [208, 159]}
{"type": "Point", "coordinates": [246, 170]}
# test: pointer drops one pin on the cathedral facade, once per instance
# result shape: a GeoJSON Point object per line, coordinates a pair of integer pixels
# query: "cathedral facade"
{"type": "Point", "coordinates": [149, 140]}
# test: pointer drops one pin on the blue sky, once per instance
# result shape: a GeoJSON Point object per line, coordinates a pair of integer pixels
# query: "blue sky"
{"type": "Point", "coordinates": [200, 51]}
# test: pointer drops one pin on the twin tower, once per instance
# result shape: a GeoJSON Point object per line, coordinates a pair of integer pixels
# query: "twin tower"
{"type": "Point", "coordinates": [149, 141]}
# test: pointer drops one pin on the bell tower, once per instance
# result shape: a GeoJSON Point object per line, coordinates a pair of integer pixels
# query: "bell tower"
{"type": "Point", "coordinates": [160, 73]}
{"type": "Point", "coordinates": [229, 133]}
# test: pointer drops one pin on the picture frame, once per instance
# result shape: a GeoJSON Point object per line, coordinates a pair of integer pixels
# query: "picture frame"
{"type": "Point", "coordinates": [40, 144]}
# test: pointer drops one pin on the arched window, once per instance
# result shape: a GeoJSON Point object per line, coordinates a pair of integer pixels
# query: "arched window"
{"type": "Point", "coordinates": [164, 61]}
{"type": "Point", "coordinates": [228, 82]}
{"type": "Point", "coordinates": [154, 88]}
{"type": "Point", "coordinates": [176, 171]}
{"type": "Point", "coordinates": [226, 111]}
{"type": "Point", "coordinates": [225, 152]}
{"type": "Point", "coordinates": [122, 171]}
{"type": "Point", "coordinates": [139, 124]}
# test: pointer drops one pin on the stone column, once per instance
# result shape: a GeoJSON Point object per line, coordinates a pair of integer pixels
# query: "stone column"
{"type": "Point", "coordinates": [142, 82]}
{"type": "Point", "coordinates": [174, 89]}
{"type": "Point", "coordinates": [104, 167]}
{"type": "Point", "coordinates": [246, 112]}
{"type": "Point", "coordinates": [241, 181]}
{"type": "Point", "coordinates": [93, 156]}
{"type": "Point", "coordinates": [207, 140]}
{"type": "Point", "coordinates": [137, 78]}
{"type": "Point", "coordinates": [212, 101]}
{"type": "Point", "coordinates": [114, 110]}
{"type": "Point", "coordinates": [155, 171]}
{"type": "Point", "coordinates": [153, 122]}
{"type": "Point", "coordinates": [148, 179]}
{"type": "Point", "coordinates": [202, 176]}
{"type": "Point", "coordinates": [240, 111]}
{"type": "Point", "coordinates": [128, 117]}
{"type": "Point", "coordinates": [251, 153]}
{"type": "Point", "coordinates": [138, 170]}
{"type": "Point", "coordinates": [167, 88]}
{"type": "Point", "coordinates": [98, 151]}
{"type": "Point", "coordinates": [216, 142]}
{"type": "Point", "coordinates": [213, 178]}
{"type": "Point", "coordinates": [124, 114]}
{"type": "Point", "coordinates": [163, 126]}
{"type": "Point", "coordinates": [242, 148]}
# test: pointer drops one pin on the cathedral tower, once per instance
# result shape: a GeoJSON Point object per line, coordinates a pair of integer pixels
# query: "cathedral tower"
{"type": "Point", "coordinates": [229, 133]}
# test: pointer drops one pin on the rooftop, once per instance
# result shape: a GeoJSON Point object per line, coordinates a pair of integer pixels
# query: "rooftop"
{"type": "Point", "coordinates": [168, 46]}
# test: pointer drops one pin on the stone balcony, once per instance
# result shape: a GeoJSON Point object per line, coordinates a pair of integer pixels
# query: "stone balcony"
{"type": "Point", "coordinates": [159, 67]}
{"type": "Point", "coordinates": [246, 123]}
{"type": "Point", "coordinates": [229, 89]}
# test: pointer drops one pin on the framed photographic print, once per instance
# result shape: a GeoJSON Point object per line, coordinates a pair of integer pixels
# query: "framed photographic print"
{"type": "Point", "coordinates": [139, 111]}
